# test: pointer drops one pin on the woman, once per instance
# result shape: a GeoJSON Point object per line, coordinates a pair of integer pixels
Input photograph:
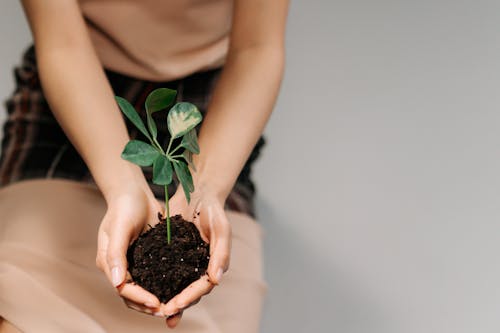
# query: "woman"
{"type": "Point", "coordinates": [86, 52]}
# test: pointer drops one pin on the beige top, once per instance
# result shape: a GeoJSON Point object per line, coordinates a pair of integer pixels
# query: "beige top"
{"type": "Point", "coordinates": [159, 40]}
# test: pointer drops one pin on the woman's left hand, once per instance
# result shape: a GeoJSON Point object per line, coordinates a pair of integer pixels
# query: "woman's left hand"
{"type": "Point", "coordinates": [206, 211]}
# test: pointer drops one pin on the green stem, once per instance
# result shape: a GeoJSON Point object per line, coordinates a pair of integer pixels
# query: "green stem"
{"type": "Point", "coordinates": [175, 149]}
{"type": "Point", "coordinates": [169, 145]}
{"type": "Point", "coordinates": [155, 143]}
{"type": "Point", "coordinates": [167, 211]}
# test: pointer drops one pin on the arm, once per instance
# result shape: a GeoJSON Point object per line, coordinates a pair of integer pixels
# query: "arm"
{"type": "Point", "coordinates": [82, 101]}
{"type": "Point", "coordinates": [240, 107]}
{"type": "Point", "coordinates": [78, 92]}
{"type": "Point", "coordinates": [245, 94]}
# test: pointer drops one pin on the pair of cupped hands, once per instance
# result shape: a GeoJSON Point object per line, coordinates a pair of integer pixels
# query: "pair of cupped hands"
{"type": "Point", "coordinates": [129, 213]}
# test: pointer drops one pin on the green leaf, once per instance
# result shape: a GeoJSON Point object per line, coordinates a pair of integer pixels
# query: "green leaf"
{"type": "Point", "coordinates": [184, 176]}
{"type": "Point", "coordinates": [162, 170]}
{"type": "Point", "coordinates": [182, 118]}
{"type": "Point", "coordinates": [190, 141]}
{"type": "Point", "coordinates": [157, 100]}
{"type": "Point", "coordinates": [152, 126]}
{"type": "Point", "coordinates": [132, 115]}
{"type": "Point", "coordinates": [160, 99]}
{"type": "Point", "coordinates": [188, 156]}
{"type": "Point", "coordinates": [140, 153]}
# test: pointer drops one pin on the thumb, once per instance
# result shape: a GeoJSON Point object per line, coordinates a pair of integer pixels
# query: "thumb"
{"type": "Point", "coordinates": [116, 259]}
{"type": "Point", "coordinates": [220, 247]}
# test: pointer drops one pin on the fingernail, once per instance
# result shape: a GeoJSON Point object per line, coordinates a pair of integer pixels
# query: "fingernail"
{"type": "Point", "coordinates": [158, 314]}
{"type": "Point", "coordinates": [218, 277]}
{"type": "Point", "coordinates": [116, 276]}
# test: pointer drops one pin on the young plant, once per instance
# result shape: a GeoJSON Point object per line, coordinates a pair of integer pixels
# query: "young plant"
{"type": "Point", "coordinates": [181, 120]}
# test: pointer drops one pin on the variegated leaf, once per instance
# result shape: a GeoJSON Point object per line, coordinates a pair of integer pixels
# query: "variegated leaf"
{"type": "Point", "coordinates": [182, 118]}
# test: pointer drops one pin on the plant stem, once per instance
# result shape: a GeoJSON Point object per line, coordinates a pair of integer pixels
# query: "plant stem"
{"type": "Point", "coordinates": [175, 149]}
{"type": "Point", "coordinates": [155, 143]}
{"type": "Point", "coordinates": [169, 145]}
{"type": "Point", "coordinates": [167, 212]}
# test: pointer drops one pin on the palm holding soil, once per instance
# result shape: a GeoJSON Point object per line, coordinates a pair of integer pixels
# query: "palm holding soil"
{"type": "Point", "coordinates": [207, 213]}
{"type": "Point", "coordinates": [126, 217]}
{"type": "Point", "coordinates": [171, 267]}
{"type": "Point", "coordinates": [130, 214]}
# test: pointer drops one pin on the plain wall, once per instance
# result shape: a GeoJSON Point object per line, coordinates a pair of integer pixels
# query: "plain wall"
{"type": "Point", "coordinates": [14, 37]}
{"type": "Point", "coordinates": [379, 188]}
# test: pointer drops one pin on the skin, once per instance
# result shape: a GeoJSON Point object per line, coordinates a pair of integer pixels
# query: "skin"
{"type": "Point", "coordinates": [240, 107]}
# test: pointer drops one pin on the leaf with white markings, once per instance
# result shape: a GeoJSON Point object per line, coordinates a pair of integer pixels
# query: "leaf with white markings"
{"type": "Point", "coordinates": [182, 118]}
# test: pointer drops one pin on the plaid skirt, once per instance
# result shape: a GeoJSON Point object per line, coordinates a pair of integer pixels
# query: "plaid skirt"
{"type": "Point", "coordinates": [35, 146]}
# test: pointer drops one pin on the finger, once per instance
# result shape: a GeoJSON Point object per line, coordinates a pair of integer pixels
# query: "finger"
{"type": "Point", "coordinates": [220, 247]}
{"type": "Point", "coordinates": [139, 295]}
{"type": "Point", "coordinates": [189, 296]}
{"type": "Point", "coordinates": [144, 309]}
{"type": "Point", "coordinates": [119, 240]}
{"type": "Point", "coordinates": [102, 250]}
{"type": "Point", "coordinates": [102, 245]}
{"type": "Point", "coordinates": [193, 303]}
{"type": "Point", "coordinates": [174, 320]}
{"type": "Point", "coordinates": [138, 307]}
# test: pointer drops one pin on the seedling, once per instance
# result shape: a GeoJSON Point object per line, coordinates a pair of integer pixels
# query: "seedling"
{"type": "Point", "coordinates": [182, 119]}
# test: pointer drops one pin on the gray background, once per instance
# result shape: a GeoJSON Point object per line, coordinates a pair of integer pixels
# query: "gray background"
{"type": "Point", "coordinates": [379, 188]}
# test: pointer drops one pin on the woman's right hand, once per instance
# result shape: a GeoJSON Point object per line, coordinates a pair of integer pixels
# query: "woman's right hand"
{"type": "Point", "coordinates": [129, 211]}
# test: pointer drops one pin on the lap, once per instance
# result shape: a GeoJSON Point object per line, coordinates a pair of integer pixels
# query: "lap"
{"type": "Point", "coordinates": [49, 281]}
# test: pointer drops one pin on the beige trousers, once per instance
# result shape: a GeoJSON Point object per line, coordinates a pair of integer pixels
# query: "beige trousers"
{"type": "Point", "coordinates": [49, 281]}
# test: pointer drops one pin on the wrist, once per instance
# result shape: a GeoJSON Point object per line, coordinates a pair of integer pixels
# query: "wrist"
{"type": "Point", "coordinates": [124, 178]}
{"type": "Point", "coordinates": [204, 183]}
{"type": "Point", "coordinates": [213, 175]}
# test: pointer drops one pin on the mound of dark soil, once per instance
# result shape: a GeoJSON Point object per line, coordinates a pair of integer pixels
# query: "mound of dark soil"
{"type": "Point", "coordinates": [166, 269]}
